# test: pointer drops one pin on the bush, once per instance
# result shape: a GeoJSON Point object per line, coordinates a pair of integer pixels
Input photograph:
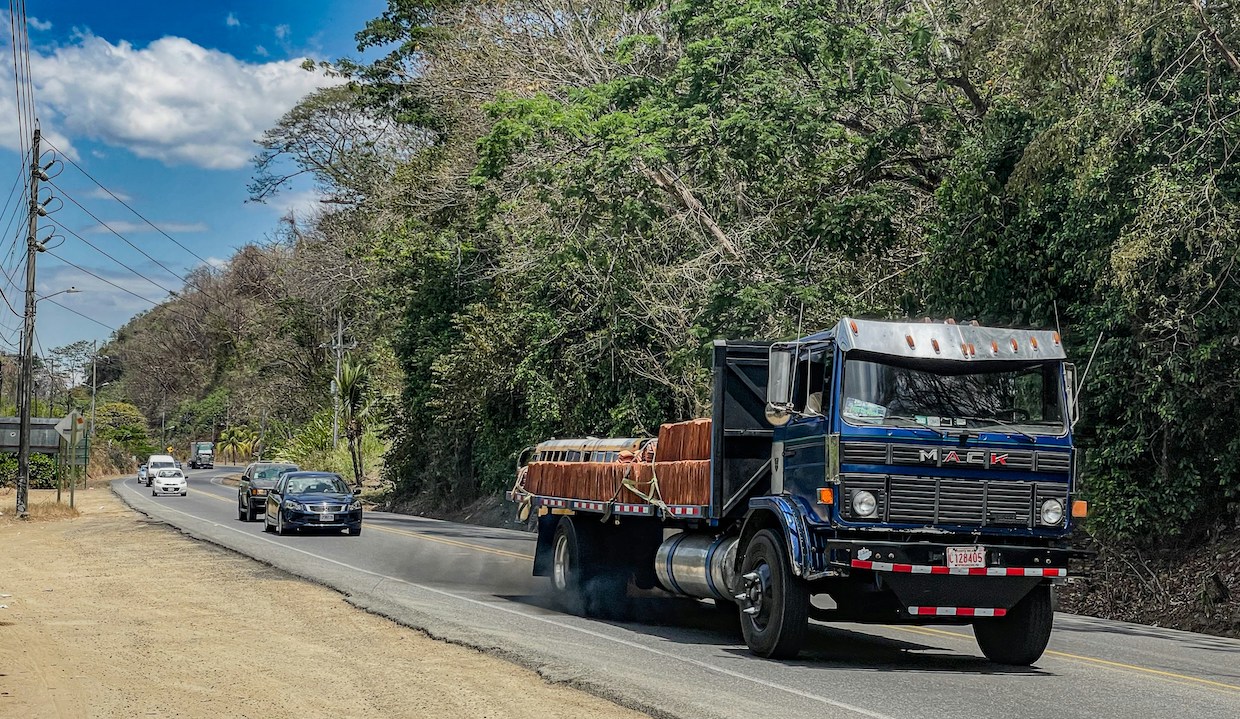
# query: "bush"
{"type": "Point", "coordinates": [42, 471]}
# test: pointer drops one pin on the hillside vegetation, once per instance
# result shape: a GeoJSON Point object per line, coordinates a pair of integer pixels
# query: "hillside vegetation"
{"type": "Point", "coordinates": [538, 214]}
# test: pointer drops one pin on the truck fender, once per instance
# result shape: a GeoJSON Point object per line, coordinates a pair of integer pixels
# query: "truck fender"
{"type": "Point", "coordinates": [772, 513]}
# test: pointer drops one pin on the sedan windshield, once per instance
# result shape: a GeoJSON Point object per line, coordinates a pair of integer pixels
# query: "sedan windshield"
{"type": "Point", "coordinates": [1023, 397]}
{"type": "Point", "coordinates": [317, 483]}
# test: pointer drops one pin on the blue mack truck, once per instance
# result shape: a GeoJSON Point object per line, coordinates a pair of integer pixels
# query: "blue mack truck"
{"type": "Point", "coordinates": [900, 472]}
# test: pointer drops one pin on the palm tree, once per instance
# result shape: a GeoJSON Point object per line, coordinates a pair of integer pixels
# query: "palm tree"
{"type": "Point", "coordinates": [232, 441]}
{"type": "Point", "coordinates": [355, 403]}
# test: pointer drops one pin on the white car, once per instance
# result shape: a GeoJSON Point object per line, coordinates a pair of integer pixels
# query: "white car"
{"type": "Point", "coordinates": [168, 481]}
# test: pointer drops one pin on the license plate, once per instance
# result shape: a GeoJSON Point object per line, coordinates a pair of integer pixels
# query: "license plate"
{"type": "Point", "coordinates": [966, 556]}
{"type": "Point", "coordinates": [327, 517]}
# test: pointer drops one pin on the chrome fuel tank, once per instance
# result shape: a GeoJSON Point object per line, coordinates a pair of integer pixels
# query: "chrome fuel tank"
{"type": "Point", "coordinates": [697, 565]}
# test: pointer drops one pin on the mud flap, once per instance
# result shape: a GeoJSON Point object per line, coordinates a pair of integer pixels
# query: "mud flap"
{"type": "Point", "coordinates": [925, 590]}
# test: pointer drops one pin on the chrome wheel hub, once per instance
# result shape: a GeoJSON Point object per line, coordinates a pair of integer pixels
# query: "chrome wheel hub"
{"type": "Point", "coordinates": [559, 564]}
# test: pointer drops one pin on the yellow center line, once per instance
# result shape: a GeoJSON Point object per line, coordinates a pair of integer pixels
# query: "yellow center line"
{"type": "Point", "coordinates": [419, 535]}
{"type": "Point", "coordinates": [1179, 678]}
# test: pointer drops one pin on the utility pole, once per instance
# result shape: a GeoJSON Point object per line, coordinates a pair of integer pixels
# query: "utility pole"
{"type": "Point", "coordinates": [27, 384]}
{"type": "Point", "coordinates": [336, 381]}
{"type": "Point", "coordinates": [94, 388]}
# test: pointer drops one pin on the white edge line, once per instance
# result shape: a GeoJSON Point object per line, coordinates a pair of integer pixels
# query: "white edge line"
{"type": "Point", "coordinates": [509, 610]}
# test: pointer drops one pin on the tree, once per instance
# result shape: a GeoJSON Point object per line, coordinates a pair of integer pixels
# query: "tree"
{"type": "Point", "coordinates": [355, 406]}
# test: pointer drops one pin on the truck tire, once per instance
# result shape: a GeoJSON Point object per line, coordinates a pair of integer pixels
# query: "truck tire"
{"type": "Point", "coordinates": [778, 626]}
{"type": "Point", "coordinates": [567, 567]}
{"type": "Point", "coordinates": [1020, 637]}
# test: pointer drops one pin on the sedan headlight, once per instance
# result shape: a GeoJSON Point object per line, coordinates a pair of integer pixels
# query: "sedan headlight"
{"type": "Point", "coordinates": [257, 492]}
{"type": "Point", "coordinates": [1052, 512]}
{"type": "Point", "coordinates": [864, 504]}
{"type": "Point", "coordinates": [295, 506]}
{"type": "Point", "coordinates": [356, 504]}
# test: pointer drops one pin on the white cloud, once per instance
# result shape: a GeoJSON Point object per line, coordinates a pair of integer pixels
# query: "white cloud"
{"type": "Point", "coordinates": [282, 32]}
{"type": "Point", "coordinates": [261, 51]}
{"type": "Point", "coordinates": [172, 101]}
{"type": "Point", "coordinates": [231, 20]}
{"type": "Point", "coordinates": [100, 194]}
{"type": "Point", "coordinates": [126, 227]}
{"type": "Point", "coordinates": [38, 24]}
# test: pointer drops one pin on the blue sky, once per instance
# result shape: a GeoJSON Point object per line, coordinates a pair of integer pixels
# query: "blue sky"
{"type": "Point", "coordinates": [160, 102]}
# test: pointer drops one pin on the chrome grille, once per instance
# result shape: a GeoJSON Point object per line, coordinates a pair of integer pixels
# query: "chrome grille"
{"type": "Point", "coordinates": [865, 453]}
{"type": "Point", "coordinates": [1053, 462]}
{"type": "Point", "coordinates": [328, 508]}
{"type": "Point", "coordinates": [954, 501]}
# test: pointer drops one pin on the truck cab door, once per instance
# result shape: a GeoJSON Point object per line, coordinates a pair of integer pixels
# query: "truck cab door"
{"type": "Point", "coordinates": [799, 452]}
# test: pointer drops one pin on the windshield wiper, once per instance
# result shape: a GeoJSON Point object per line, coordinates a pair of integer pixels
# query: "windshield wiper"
{"type": "Point", "coordinates": [996, 422]}
{"type": "Point", "coordinates": [914, 424]}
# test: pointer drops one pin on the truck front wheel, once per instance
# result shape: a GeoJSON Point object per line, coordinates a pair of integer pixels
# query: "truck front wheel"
{"type": "Point", "coordinates": [1020, 637]}
{"type": "Point", "coordinates": [775, 608]}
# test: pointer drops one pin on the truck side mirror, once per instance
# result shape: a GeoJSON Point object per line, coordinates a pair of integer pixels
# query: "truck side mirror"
{"type": "Point", "coordinates": [1069, 385]}
{"type": "Point", "coordinates": [779, 386]}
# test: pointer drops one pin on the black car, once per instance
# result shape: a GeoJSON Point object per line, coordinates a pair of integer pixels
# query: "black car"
{"type": "Point", "coordinates": [313, 499]}
{"type": "Point", "coordinates": [259, 479]}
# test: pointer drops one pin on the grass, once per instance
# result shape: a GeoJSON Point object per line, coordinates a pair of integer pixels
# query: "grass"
{"type": "Point", "coordinates": [46, 511]}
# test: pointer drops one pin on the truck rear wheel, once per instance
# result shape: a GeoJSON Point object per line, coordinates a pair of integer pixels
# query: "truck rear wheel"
{"type": "Point", "coordinates": [775, 611]}
{"type": "Point", "coordinates": [1020, 637]}
{"type": "Point", "coordinates": [583, 580]}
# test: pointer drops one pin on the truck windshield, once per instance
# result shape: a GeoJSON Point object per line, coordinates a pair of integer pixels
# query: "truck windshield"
{"type": "Point", "coordinates": [1023, 398]}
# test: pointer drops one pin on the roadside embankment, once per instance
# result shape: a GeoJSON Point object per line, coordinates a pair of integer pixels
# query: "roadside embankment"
{"type": "Point", "coordinates": [112, 615]}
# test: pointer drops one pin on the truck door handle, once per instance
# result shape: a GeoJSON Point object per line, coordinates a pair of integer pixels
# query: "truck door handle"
{"type": "Point", "coordinates": [790, 452]}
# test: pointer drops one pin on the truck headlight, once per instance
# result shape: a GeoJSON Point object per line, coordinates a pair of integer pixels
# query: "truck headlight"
{"type": "Point", "coordinates": [864, 504]}
{"type": "Point", "coordinates": [1052, 512]}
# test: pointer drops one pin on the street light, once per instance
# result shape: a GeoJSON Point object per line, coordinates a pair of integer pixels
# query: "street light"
{"type": "Point", "coordinates": [70, 291]}
{"type": "Point", "coordinates": [27, 373]}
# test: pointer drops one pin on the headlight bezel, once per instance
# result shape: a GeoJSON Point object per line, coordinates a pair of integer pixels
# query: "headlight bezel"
{"type": "Point", "coordinates": [860, 499]}
{"type": "Point", "coordinates": [1054, 509]}
{"type": "Point", "coordinates": [355, 505]}
{"type": "Point", "coordinates": [294, 505]}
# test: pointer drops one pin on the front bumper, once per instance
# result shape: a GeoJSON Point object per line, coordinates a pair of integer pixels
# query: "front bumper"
{"type": "Point", "coordinates": [917, 574]}
{"type": "Point", "coordinates": [169, 488]}
{"type": "Point", "coordinates": [258, 501]}
{"type": "Point", "coordinates": [314, 519]}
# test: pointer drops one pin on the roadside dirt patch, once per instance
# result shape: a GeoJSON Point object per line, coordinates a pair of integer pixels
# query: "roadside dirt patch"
{"type": "Point", "coordinates": [108, 615]}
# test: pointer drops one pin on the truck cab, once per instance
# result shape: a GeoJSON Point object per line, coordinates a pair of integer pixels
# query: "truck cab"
{"type": "Point", "coordinates": [921, 471]}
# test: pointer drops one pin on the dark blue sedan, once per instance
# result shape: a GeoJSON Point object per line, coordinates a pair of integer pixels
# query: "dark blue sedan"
{"type": "Point", "coordinates": [321, 500]}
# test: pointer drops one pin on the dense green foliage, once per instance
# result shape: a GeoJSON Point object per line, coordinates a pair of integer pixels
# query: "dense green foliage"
{"type": "Point", "coordinates": [543, 211]}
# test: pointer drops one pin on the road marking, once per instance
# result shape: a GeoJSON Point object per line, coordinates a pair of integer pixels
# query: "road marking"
{"type": "Point", "coordinates": [492, 606]}
{"type": "Point", "coordinates": [1178, 678]}
{"type": "Point", "coordinates": [410, 533]}
{"type": "Point", "coordinates": [922, 630]}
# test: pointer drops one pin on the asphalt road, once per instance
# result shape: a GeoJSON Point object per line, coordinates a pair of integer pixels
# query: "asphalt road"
{"type": "Point", "coordinates": [472, 585]}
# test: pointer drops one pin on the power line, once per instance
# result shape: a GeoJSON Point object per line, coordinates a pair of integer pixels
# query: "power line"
{"type": "Point", "coordinates": [92, 215]}
{"type": "Point", "coordinates": [127, 206]}
{"type": "Point", "coordinates": [105, 280]}
{"type": "Point", "coordinates": [96, 248]}
{"type": "Point", "coordinates": [79, 314]}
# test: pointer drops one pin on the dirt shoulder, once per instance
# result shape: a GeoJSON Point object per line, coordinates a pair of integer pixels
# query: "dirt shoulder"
{"type": "Point", "coordinates": [111, 615]}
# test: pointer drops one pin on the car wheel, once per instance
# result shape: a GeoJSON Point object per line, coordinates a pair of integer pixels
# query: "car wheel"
{"type": "Point", "coordinates": [280, 528]}
{"type": "Point", "coordinates": [240, 512]}
{"type": "Point", "coordinates": [266, 523]}
{"type": "Point", "coordinates": [355, 530]}
{"type": "Point", "coordinates": [154, 493]}
{"type": "Point", "coordinates": [184, 493]}
{"type": "Point", "coordinates": [249, 512]}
